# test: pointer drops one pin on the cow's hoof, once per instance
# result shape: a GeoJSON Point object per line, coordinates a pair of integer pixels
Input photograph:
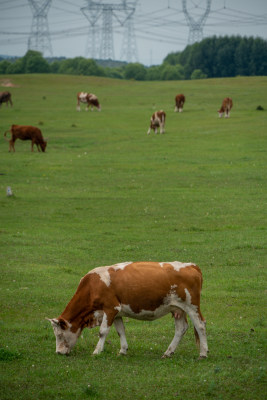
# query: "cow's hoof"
{"type": "Point", "coordinates": [202, 357]}
{"type": "Point", "coordinates": [167, 355]}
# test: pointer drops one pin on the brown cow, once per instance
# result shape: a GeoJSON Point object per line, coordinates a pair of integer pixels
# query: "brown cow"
{"type": "Point", "coordinates": [5, 97]}
{"type": "Point", "coordinates": [157, 120]}
{"type": "Point", "coordinates": [226, 106]}
{"type": "Point", "coordinates": [140, 290]}
{"type": "Point", "coordinates": [179, 102]}
{"type": "Point", "coordinates": [26, 132]}
{"type": "Point", "coordinates": [88, 98]}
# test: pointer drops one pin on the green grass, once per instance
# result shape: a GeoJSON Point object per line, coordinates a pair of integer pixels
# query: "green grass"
{"type": "Point", "coordinates": [105, 192]}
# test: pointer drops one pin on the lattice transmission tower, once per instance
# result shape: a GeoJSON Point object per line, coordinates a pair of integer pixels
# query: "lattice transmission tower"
{"type": "Point", "coordinates": [104, 48]}
{"type": "Point", "coordinates": [129, 48]}
{"type": "Point", "coordinates": [39, 38]}
{"type": "Point", "coordinates": [196, 25]}
{"type": "Point", "coordinates": [92, 12]}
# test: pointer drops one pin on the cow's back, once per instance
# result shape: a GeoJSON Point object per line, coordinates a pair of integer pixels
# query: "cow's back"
{"type": "Point", "coordinates": [145, 285]}
{"type": "Point", "coordinates": [27, 132]}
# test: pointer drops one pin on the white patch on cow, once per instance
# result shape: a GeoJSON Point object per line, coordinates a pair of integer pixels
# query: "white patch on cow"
{"type": "Point", "coordinates": [98, 316]}
{"type": "Point", "coordinates": [121, 265]}
{"type": "Point", "coordinates": [188, 296]}
{"type": "Point", "coordinates": [92, 96]}
{"type": "Point", "coordinates": [169, 304]}
{"type": "Point", "coordinates": [118, 308]}
{"type": "Point", "coordinates": [177, 265]}
{"type": "Point", "coordinates": [103, 274]}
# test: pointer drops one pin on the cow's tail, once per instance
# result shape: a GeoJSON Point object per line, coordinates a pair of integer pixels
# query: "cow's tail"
{"type": "Point", "coordinates": [5, 135]}
{"type": "Point", "coordinates": [197, 338]}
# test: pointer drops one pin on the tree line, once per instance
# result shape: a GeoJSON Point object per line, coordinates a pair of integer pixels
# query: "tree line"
{"type": "Point", "coordinates": [211, 58]}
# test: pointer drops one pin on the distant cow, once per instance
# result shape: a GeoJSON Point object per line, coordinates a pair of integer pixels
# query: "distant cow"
{"type": "Point", "coordinates": [140, 290]}
{"type": "Point", "coordinates": [227, 104]}
{"type": "Point", "coordinates": [88, 98]}
{"type": "Point", "coordinates": [157, 121]}
{"type": "Point", "coordinates": [26, 133]}
{"type": "Point", "coordinates": [179, 102]}
{"type": "Point", "coordinates": [5, 97]}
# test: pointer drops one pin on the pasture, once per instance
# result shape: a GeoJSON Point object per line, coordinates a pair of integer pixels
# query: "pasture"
{"type": "Point", "coordinates": [106, 192]}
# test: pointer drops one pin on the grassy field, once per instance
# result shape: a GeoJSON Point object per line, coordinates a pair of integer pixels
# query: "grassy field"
{"type": "Point", "coordinates": [106, 192]}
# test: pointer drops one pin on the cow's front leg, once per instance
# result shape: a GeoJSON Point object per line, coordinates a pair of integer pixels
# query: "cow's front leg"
{"type": "Point", "coordinates": [103, 333]}
{"type": "Point", "coordinates": [118, 323]}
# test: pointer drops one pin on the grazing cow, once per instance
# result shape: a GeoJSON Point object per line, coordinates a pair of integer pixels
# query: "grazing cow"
{"type": "Point", "coordinates": [26, 133]}
{"type": "Point", "coordinates": [157, 120]}
{"type": "Point", "coordinates": [140, 290]}
{"type": "Point", "coordinates": [226, 106]}
{"type": "Point", "coordinates": [5, 97]}
{"type": "Point", "coordinates": [179, 102]}
{"type": "Point", "coordinates": [88, 98]}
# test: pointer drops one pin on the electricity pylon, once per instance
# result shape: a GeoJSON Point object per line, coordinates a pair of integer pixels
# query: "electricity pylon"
{"type": "Point", "coordinates": [196, 26]}
{"type": "Point", "coordinates": [129, 48]}
{"type": "Point", "coordinates": [40, 38]}
{"type": "Point", "coordinates": [93, 11]}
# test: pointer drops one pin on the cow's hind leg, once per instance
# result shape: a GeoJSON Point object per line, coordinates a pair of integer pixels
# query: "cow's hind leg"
{"type": "Point", "coordinates": [121, 332]}
{"type": "Point", "coordinates": [11, 145]}
{"type": "Point", "coordinates": [181, 327]}
{"type": "Point", "coordinates": [200, 332]}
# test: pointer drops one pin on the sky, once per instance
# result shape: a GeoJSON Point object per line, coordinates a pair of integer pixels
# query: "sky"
{"type": "Point", "coordinates": [159, 27]}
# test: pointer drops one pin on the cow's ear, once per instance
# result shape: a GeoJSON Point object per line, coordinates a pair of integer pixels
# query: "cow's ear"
{"type": "Point", "coordinates": [62, 323]}
{"type": "Point", "coordinates": [58, 323]}
{"type": "Point", "coordinates": [54, 321]}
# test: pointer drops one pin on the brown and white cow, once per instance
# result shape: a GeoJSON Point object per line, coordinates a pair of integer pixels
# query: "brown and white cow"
{"type": "Point", "coordinates": [140, 290]}
{"type": "Point", "coordinates": [226, 106]}
{"type": "Point", "coordinates": [157, 121]}
{"type": "Point", "coordinates": [88, 98]}
{"type": "Point", "coordinates": [26, 132]}
{"type": "Point", "coordinates": [179, 102]}
{"type": "Point", "coordinates": [5, 97]}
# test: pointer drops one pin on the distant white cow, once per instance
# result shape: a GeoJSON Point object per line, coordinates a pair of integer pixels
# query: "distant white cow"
{"type": "Point", "coordinates": [157, 121]}
{"type": "Point", "coordinates": [88, 98]}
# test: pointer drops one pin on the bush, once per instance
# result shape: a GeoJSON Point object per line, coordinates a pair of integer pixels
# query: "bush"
{"type": "Point", "coordinates": [198, 74]}
{"type": "Point", "coordinates": [135, 71]}
{"type": "Point", "coordinates": [172, 72]}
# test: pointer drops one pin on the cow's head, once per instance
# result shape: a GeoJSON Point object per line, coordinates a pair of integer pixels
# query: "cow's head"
{"type": "Point", "coordinates": [65, 338]}
{"type": "Point", "coordinates": [43, 145]}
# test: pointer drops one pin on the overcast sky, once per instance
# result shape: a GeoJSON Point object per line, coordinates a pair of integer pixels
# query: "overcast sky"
{"type": "Point", "coordinates": [160, 26]}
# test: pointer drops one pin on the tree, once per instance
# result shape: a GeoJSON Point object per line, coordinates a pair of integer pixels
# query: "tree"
{"type": "Point", "coordinates": [4, 65]}
{"type": "Point", "coordinates": [172, 72]}
{"type": "Point", "coordinates": [198, 74]}
{"type": "Point", "coordinates": [135, 71]}
{"type": "Point", "coordinates": [16, 68]}
{"type": "Point", "coordinates": [89, 67]}
{"type": "Point", "coordinates": [154, 73]}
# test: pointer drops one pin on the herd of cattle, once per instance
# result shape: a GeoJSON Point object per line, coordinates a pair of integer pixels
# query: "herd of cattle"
{"type": "Point", "coordinates": [139, 290]}
{"type": "Point", "coordinates": [157, 120]}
